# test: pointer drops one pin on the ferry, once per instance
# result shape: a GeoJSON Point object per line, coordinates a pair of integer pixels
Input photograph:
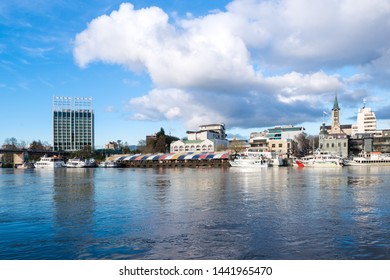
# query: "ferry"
{"type": "Point", "coordinates": [370, 159]}
{"type": "Point", "coordinates": [320, 159]}
{"type": "Point", "coordinates": [50, 162]}
{"type": "Point", "coordinates": [80, 163]}
{"type": "Point", "coordinates": [108, 164]}
{"type": "Point", "coordinates": [249, 161]}
{"type": "Point", "coordinates": [272, 157]}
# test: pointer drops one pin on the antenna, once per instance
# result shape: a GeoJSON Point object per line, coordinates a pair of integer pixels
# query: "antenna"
{"type": "Point", "coordinates": [364, 102]}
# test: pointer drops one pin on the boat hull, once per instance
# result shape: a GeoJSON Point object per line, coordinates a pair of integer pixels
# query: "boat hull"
{"type": "Point", "coordinates": [248, 163]}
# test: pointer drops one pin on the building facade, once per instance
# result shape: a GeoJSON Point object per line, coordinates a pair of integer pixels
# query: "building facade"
{"type": "Point", "coordinates": [284, 132]}
{"type": "Point", "coordinates": [73, 123]}
{"type": "Point", "coordinates": [209, 138]}
{"type": "Point", "coordinates": [366, 122]}
{"type": "Point", "coordinates": [334, 139]}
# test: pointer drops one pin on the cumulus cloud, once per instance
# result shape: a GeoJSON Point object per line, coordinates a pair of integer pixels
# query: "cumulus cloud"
{"type": "Point", "coordinates": [257, 63]}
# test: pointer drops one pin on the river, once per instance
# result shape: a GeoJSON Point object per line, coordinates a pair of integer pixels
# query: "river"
{"type": "Point", "coordinates": [203, 213]}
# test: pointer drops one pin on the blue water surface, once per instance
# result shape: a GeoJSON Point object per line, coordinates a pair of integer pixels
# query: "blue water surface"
{"type": "Point", "coordinates": [203, 213]}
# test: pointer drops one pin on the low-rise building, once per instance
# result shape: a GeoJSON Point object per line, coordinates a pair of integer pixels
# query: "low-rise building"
{"type": "Point", "coordinates": [209, 138]}
{"type": "Point", "coordinates": [279, 139]}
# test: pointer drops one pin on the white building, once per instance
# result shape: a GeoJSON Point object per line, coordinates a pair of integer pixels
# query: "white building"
{"type": "Point", "coordinates": [366, 122]}
{"type": "Point", "coordinates": [208, 138]}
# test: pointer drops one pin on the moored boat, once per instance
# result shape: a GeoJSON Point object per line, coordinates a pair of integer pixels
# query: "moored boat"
{"type": "Point", "coordinates": [369, 159]}
{"type": "Point", "coordinates": [25, 165]}
{"type": "Point", "coordinates": [80, 163]}
{"type": "Point", "coordinates": [249, 162]}
{"type": "Point", "coordinates": [108, 164]}
{"type": "Point", "coordinates": [320, 159]}
{"type": "Point", "coordinates": [50, 162]}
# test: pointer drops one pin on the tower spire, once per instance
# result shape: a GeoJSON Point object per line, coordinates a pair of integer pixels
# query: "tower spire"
{"type": "Point", "coordinates": [336, 104]}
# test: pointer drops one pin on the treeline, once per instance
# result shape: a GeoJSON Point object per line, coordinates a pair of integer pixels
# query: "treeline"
{"type": "Point", "coordinates": [13, 143]}
{"type": "Point", "coordinates": [158, 143]}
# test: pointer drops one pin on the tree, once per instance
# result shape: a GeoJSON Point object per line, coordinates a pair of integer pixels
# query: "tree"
{"type": "Point", "coordinates": [303, 145]}
{"type": "Point", "coordinates": [86, 152]}
{"type": "Point", "coordinates": [11, 143]}
{"type": "Point", "coordinates": [237, 146]}
{"type": "Point", "coordinates": [37, 145]}
{"type": "Point", "coordinates": [160, 146]}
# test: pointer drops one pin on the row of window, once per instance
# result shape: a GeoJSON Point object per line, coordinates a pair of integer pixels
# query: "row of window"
{"type": "Point", "coordinates": [338, 145]}
{"type": "Point", "coordinates": [193, 148]}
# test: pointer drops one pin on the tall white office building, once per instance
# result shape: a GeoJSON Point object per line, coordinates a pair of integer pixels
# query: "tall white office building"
{"type": "Point", "coordinates": [366, 121]}
{"type": "Point", "coordinates": [73, 123]}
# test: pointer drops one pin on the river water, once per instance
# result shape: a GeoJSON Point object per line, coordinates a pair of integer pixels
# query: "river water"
{"type": "Point", "coordinates": [205, 213]}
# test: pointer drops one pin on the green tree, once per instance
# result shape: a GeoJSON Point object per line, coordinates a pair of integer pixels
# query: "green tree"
{"type": "Point", "coordinates": [160, 146]}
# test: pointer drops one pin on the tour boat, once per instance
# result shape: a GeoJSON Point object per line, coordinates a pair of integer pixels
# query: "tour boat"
{"type": "Point", "coordinates": [369, 159]}
{"type": "Point", "coordinates": [249, 162]}
{"type": "Point", "coordinates": [80, 163]}
{"type": "Point", "coordinates": [320, 159]}
{"type": "Point", "coordinates": [108, 164]}
{"type": "Point", "coordinates": [272, 157]}
{"type": "Point", "coordinates": [50, 162]}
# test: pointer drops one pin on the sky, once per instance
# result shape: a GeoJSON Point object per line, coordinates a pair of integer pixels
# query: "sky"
{"type": "Point", "coordinates": [250, 64]}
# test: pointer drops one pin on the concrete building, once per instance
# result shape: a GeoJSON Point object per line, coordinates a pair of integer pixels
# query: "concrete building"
{"type": "Point", "coordinates": [279, 139]}
{"type": "Point", "coordinates": [366, 122]}
{"type": "Point", "coordinates": [73, 123]}
{"type": "Point", "coordinates": [284, 132]}
{"type": "Point", "coordinates": [209, 138]}
{"type": "Point", "coordinates": [333, 139]}
{"type": "Point", "coordinates": [281, 147]}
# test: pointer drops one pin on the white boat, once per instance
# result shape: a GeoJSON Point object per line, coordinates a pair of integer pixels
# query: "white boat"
{"type": "Point", "coordinates": [80, 163]}
{"type": "Point", "coordinates": [369, 159]}
{"type": "Point", "coordinates": [108, 164]}
{"type": "Point", "coordinates": [50, 162]}
{"type": "Point", "coordinates": [320, 159]}
{"type": "Point", "coordinates": [271, 158]}
{"type": "Point", "coordinates": [25, 165]}
{"type": "Point", "coordinates": [249, 162]}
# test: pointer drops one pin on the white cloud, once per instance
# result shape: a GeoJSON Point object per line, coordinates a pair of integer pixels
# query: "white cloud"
{"type": "Point", "coordinates": [110, 109]}
{"type": "Point", "coordinates": [172, 104]}
{"type": "Point", "coordinates": [204, 67]}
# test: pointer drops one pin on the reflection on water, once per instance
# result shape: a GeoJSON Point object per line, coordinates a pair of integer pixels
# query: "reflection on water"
{"type": "Point", "coordinates": [74, 207]}
{"type": "Point", "coordinates": [269, 213]}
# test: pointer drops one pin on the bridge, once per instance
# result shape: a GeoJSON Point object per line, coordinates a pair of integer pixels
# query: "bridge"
{"type": "Point", "coordinates": [20, 155]}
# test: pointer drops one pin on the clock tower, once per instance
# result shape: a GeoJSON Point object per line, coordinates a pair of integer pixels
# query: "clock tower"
{"type": "Point", "coordinates": [335, 118]}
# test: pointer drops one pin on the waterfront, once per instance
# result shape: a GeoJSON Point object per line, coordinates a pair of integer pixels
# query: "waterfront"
{"type": "Point", "coordinates": [195, 213]}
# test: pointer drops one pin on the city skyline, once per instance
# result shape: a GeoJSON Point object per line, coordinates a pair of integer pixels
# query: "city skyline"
{"type": "Point", "coordinates": [150, 64]}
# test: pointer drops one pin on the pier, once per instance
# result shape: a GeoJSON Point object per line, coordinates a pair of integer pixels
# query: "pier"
{"type": "Point", "coordinates": [174, 160]}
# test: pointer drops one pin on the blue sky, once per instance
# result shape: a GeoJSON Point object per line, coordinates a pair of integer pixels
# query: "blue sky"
{"type": "Point", "coordinates": [250, 64]}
